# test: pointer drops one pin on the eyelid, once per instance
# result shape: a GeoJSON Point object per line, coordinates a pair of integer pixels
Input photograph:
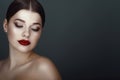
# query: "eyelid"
{"type": "Point", "coordinates": [18, 25]}
{"type": "Point", "coordinates": [18, 22]}
{"type": "Point", "coordinates": [35, 29]}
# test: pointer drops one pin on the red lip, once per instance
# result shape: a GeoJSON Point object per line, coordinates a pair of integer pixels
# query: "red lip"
{"type": "Point", "coordinates": [24, 42]}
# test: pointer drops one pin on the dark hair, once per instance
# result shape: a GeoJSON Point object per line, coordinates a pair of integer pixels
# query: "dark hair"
{"type": "Point", "coordinates": [32, 5]}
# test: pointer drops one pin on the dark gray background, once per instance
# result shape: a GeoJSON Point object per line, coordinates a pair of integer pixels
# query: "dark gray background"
{"type": "Point", "coordinates": [82, 37]}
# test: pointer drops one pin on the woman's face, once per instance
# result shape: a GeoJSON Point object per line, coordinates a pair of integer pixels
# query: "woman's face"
{"type": "Point", "coordinates": [23, 30]}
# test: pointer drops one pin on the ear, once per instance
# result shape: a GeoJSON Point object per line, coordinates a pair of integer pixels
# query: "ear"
{"type": "Point", "coordinates": [5, 25]}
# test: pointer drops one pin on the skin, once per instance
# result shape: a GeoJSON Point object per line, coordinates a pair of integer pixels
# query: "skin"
{"type": "Point", "coordinates": [23, 63]}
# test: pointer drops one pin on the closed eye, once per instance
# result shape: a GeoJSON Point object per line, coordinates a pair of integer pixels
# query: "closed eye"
{"type": "Point", "coordinates": [18, 25]}
{"type": "Point", "coordinates": [36, 29]}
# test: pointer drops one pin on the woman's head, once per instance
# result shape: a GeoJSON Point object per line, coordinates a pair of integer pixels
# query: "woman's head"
{"type": "Point", "coordinates": [32, 5]}
{"type": "Point", "coordinates": [23, 24]}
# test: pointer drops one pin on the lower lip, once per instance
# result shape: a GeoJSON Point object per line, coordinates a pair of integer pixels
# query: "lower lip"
{"type": "Point", "coordinates": [24, 42]}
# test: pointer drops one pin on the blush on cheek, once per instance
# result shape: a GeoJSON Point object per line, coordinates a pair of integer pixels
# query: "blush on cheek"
{"type": "Point", "coordinates": [12, 33]}
{"type": "Point", "coordinates": [35, 39]}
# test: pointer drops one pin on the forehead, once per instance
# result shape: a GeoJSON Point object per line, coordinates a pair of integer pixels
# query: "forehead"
{"type": "Point", "coordinates": [27, 15]}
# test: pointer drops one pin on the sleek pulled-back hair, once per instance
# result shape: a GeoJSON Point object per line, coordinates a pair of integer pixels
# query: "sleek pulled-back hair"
{"type": "Point", "coordinates": [32, 5]}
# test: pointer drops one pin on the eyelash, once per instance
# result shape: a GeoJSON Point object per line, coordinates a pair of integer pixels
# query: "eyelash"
{"type": "Point", "coordinates": [37, 29]}
{"type": "Point", "coordinates": [20, 26]}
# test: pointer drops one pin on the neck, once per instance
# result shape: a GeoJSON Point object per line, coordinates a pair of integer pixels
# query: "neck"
{"type": "Point", "coordinates": [18, 58]}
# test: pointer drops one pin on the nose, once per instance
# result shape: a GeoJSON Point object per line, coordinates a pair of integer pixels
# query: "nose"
{"type": "Point", "coordinates": [26, 33]}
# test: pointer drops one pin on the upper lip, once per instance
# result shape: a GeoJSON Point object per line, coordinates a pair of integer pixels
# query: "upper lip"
{"type": "Point", "coordinates": [24, 42]}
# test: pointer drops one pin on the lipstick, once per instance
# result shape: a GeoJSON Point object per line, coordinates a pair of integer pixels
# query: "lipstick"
{"type": "Point", "coordinates": [24, 42]}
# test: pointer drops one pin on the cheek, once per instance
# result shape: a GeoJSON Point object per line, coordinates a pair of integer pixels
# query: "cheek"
{"type": "Point", "coordinates": [12, 33]}
{"type": "Point", "coordinates": [35, 37]}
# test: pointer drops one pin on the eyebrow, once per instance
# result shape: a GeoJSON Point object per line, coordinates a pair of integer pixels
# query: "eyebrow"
{"type": "Point", "coordinates": [24, 22]}
{"type": "Point", "coordinates": [20, 20]}
{"type": "Point", "coordinates": [37, 24]}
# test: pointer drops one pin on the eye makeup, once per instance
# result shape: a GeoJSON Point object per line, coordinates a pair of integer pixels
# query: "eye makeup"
{"type": "Point", "coordinates": [18, 25]}
{"type": "Point", "coordinates": [36, 29]}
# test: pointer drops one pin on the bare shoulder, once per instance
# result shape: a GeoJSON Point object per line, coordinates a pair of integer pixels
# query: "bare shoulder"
{"type": "Point", "coordinates": [47, 68]}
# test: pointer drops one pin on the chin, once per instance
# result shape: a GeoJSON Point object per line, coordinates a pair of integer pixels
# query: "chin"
{"type": "Point", "coordinates": [24, 50]}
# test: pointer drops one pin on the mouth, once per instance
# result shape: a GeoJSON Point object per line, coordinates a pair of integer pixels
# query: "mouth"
{"type": "Point", "coordinates": [24, 42]}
